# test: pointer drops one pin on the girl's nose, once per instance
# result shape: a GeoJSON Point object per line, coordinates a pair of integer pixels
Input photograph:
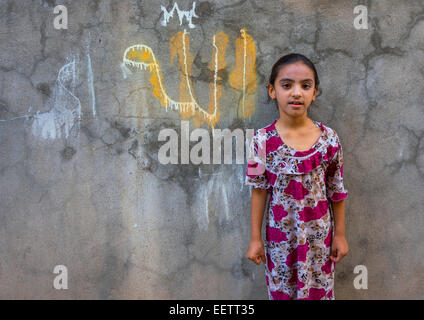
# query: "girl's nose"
{"type": "Point", "coordinates": [296, 91]}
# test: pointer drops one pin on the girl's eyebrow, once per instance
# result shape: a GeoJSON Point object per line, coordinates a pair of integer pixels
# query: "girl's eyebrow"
{"type": "Point", "coordinates": [291, 80]}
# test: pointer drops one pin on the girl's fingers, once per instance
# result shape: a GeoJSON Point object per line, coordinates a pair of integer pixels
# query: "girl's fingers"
{"type": "Point", "coordinates": [338, 258]}
{"type": "Point", "coordinates": [334, 253]}
{"type": "Point", "coordinates": [257, 258]}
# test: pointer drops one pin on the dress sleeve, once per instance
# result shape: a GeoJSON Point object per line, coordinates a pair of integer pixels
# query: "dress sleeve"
{"type": "Point", "coordinates": [334, 177]}
{"type": "Point", "coordinates": [256, 172]}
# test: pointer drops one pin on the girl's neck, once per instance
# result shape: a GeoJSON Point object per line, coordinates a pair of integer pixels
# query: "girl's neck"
{"type": "Point", "coordinates": [289, 123]}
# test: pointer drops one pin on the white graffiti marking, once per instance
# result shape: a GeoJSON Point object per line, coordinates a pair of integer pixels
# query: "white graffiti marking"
{"type": "Point", "coordinates": [181, 14]}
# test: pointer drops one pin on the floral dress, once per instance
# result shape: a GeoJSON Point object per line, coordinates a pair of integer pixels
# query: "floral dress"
{"type": "Point", "coordinates": [299, 219]}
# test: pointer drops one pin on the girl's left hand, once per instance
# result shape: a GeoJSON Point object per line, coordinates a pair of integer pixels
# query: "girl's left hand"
{"type": "Point", "coordinates": [339, 248]}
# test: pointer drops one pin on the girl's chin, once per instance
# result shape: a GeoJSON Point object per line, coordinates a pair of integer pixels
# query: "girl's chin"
{"type": "Point", "coordinates": [290, 109]}
{"type": "Point", "coordinates": [294, 113]}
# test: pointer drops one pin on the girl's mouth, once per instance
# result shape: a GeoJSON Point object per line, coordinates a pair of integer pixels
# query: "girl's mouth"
{"type": "Point", "coordinates": [295, 104]}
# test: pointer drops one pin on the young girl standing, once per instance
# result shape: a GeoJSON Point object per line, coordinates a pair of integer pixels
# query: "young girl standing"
{"type": "Point", "coordinates": [302, 170]}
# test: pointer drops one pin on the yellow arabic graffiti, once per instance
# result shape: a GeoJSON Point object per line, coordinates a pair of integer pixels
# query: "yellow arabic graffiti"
{"type": "Point", "coordinates": [242, 78]}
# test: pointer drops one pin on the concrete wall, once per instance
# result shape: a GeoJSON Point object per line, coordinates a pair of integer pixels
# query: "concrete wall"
{"type": "Point", "coordinates": [81, 182]}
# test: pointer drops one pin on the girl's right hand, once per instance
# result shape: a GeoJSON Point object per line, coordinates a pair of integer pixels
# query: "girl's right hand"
{"type": "Point", "coordinates": [256, 252]}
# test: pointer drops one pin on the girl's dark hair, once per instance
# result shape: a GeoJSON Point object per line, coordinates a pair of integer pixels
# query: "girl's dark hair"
{"type": "Point", "coordinates": [288, 59]}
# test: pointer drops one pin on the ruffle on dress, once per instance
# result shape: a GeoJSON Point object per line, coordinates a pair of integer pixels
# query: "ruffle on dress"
{"type": "Point", "coordinates": [299, 162]}
{"type": "Point", "coordinates": [270, 158]}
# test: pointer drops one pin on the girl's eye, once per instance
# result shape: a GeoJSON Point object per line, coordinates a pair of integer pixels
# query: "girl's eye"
{"type": "Point", "coordinates": [286, 85]}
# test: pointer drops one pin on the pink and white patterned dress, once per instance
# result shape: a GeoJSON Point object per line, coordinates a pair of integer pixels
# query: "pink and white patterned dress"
{"type": "Point", "coordinates": [299, 219]}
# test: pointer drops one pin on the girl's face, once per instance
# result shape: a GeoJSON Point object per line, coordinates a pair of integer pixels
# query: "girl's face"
{"type": "Point", "coordinates": [294, 89]}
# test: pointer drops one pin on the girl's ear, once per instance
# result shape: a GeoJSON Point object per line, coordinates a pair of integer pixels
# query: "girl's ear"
{"type": "Point", "coordinates": [271, 91]}
{"type": "Point", "coordinates": [315, 94]}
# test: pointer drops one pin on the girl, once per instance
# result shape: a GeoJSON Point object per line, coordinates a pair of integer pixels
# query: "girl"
{"type": "Point", "coordinates": [299, 162]}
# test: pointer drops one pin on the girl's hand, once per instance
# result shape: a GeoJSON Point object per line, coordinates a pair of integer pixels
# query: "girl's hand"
{"type": "Point", "coordinates": [256, 252]}
{"type": "Point", "coordinates": [339, 248]}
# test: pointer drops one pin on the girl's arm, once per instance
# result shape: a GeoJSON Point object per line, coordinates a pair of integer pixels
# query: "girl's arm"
{"type": "Point", "coordinates": [256, 251]}
{"type": "Point", "coordinates": [339, 217]}
{"type": "Point", "coordinates": [258, 203]}
{"type": "Point", "coordinates": [339, 247]}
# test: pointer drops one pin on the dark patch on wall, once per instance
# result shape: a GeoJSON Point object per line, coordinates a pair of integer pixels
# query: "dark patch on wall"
{"type": "Point", "coordinates": [185, 175]}
{"type": "Point", "coordinates": [114, 249]}
{"type": "Point", "coordinates": [363, 242]}
{"type": "Point", "coordinates": [68, 153]}
{"type": "Point", "coordinates": [204, 9]}
{"type": "Point", "coordinates": [237, 270]}
{"type": "Point", "coordinates": [50, 3]}
{"type": "Point", "coordinates": [144, 161]}
{"type": "Point", "coordinates": [94, 5]}
{"type": "Point", "coordinates": [208, 75]}
{"type": "Point", "coordinates": [342, 276]}
{"type": "Point", "coordinates": [44, 88]}
{"type": "Point", "coordinates": [230, 226]}
{"type": "Point", "coordinates": [188, 239]}
{"type": "Point", "coordinates": [3, 108]}
{"type": "Point", "coordinates": [111, 269]}
{"type": "Point", "coordinates": [133, 149]}
{"type": "Point", "coordinates": [89, 131]}
{"type": "Point", "coordinates": [124, 131]}
{"type": "Point", "coordinates": [237, 123]}
{"type": "Point", "coordinates": [246, 267]}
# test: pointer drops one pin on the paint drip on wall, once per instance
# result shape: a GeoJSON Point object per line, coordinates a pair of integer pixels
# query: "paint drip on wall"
{"type": "Point", "coordinates": [243, 77]}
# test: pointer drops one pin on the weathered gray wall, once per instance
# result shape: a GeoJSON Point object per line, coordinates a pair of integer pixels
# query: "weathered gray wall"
{"type": "Point", "coordinates": [91, 194]}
